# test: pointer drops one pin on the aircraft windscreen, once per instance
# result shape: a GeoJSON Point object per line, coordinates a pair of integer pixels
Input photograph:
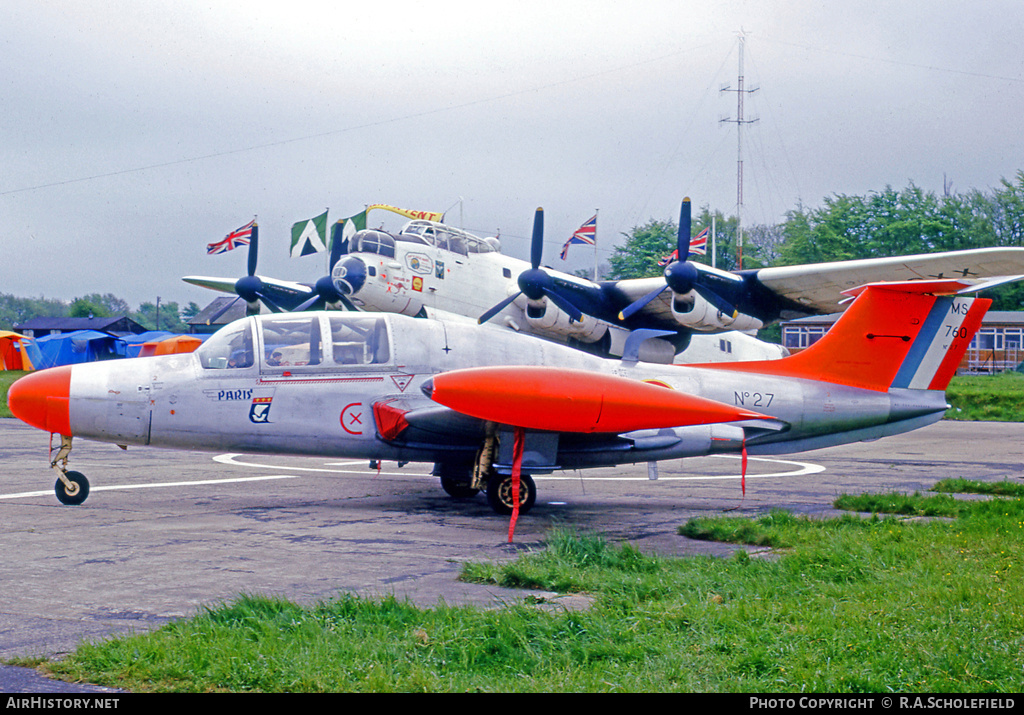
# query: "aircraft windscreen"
{"type": "Point", "coordinates": [229, 347]}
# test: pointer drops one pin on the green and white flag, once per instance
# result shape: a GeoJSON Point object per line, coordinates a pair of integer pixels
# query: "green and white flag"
{"type": "Point", "coordinates": [345, 228]}
{"type": "Point", "coordinates": [309, 236]}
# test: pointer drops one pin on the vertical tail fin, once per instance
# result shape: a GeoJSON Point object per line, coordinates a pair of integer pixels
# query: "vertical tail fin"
{"type": "Point", "coordinates": [894, 335]}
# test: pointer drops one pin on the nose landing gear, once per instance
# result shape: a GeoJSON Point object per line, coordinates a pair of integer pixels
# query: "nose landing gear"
{"type": "Point", "coordinates": [71, 487]}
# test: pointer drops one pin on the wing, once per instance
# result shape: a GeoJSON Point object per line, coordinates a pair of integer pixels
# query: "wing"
{"type": "Point", "coordinates": [287, 294]}
{"type": "Point", "coordinates": [818, 287]}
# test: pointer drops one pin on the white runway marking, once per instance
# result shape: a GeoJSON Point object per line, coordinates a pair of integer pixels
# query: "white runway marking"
{"type": "Point", "coordinates": [49, 492]}
{"type": "Point", "coordinates": [802, 469]}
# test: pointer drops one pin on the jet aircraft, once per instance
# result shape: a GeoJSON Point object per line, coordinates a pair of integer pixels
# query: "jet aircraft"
{"type": "Point", "coordinates": [490, 407]}
{"type": "Point", "coordinates": [430, 269]}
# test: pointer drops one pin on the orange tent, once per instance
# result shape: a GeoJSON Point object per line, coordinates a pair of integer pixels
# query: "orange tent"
{"type": "Point", "coordinates": [16, 351]}
{"type": "Point", "coordinates": [170, 346]}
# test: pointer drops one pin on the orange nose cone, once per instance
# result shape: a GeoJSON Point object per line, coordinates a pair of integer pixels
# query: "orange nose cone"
{"type": "Point", "coordinates": [41, 399]}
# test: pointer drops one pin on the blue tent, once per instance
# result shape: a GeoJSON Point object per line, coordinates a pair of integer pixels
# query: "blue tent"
{"type": "Point", "coordinates": [79, 346]}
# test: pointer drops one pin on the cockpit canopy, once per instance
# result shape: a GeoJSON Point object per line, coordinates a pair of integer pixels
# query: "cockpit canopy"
{"type": "Point", "coordinates": [447, 237]}
{"type": "Point", "coordinates": [429, 233]}
{"type": "Point", "coordinates": [300, 342]}
{"type": "Point", "coordinates": [372, 241]}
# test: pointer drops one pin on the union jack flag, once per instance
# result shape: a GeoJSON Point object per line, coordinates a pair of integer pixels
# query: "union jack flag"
{"type": "Point", "coordinates": [699, 244]}
{"type": "Point", "coordinates": [587, 234]}
{"type": "Point", "coordinates": [238, 237]}
{"type": "Point", "coordinates": [698, 247]}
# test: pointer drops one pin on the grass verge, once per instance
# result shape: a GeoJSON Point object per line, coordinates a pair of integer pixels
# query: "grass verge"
{"type": "Point", "coordinates": [851, 605]}
{"type": "Point", "coordinates": [997, 398]}
{"type": "Point", "coordinates": [7, 377]}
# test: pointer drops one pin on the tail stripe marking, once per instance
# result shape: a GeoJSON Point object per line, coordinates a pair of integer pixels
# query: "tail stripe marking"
{"type": "Point", "coordinates": [929, 349]}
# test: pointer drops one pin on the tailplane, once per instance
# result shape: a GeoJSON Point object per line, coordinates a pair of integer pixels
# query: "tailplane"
{"type": "Point", "coordinates": [895, 335]}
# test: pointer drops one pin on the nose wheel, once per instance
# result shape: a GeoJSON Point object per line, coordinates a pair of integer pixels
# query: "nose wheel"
{"type": "Point", "coordinates": [71, 487]}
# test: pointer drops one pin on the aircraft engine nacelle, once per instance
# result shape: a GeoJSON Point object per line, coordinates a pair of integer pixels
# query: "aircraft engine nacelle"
{"type": "Point", "coordinates": [695, 312]}
{"type": "Point", "coordinates": [547, 317]}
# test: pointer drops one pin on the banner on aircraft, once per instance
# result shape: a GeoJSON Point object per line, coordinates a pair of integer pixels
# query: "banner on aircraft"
{"type": "Point", "coordinates": [422, 215]}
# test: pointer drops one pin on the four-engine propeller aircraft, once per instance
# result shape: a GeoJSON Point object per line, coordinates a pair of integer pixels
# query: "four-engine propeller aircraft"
{"type": "Point", "coordinates": [491, 407]}
{"type": "Point", "coordinates": [432, 269]}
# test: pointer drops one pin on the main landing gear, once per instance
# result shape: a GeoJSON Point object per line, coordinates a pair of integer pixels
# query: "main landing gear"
{"type": "Point", "coordinates": [464, 481]}
{"type": "Point", "coordinates": [498, 488]}
{"type": "Point", "coordinates": [71, 487]}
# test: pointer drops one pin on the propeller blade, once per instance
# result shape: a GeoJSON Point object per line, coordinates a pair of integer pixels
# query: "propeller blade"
{"type": "Point", "coordinates": [636, 305]}
{"type": "Point", "coordinates": [213, 318]}
{"type": "Point", "coordinates": [683, 239]}
{"type": "Point", "coordinates": [537, 243]}
{"type": "Point", "coordinates": [682, 256]}
{"type": "Point", "coordinates": [274, 307]}
{"type": "Point", "coordinates": [498, 308]}
{"type": "Point", "coordinates": [349, 305]}
{"type": "Point", "coordinates": [563, 304]}
{"type": "Point", "coordinates": [304, 305]}
{"type": "Point", "coordinates": [548, 398]}
{"type": "Point", "coordinates": [718, 301]}
{"type": "Point", "coordinates": [337, 245]}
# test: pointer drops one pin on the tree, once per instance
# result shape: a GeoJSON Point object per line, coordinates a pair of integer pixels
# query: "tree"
{"type": "Point", "coordinates": [82, 308]}
{"type": "Point", "coordinates": [14, 311]}
{"type": "Point", "coordinates": [169, 319]}
{"type": "Point", "coordinates": [644, 247]}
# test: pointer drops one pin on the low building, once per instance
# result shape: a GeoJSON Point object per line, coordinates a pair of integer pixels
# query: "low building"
{"type": "Point", "coordinates": [223, 310]}
{"type": "Point", "coordinates": [998, 346]}
{"type": "Point", "coordinates": [41, 327]}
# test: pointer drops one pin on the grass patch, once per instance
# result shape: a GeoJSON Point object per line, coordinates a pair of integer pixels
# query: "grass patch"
{"type": "Point", "coordinates": [852, 605]}
{"type": "Point", "coordinates": [7, 377]}
{"type": "Point", "coordinates": [969, 486]}
{"type": "Point", "coordinates": [986, 397]}
{"type": "Point", "coordinates": [904, 504]}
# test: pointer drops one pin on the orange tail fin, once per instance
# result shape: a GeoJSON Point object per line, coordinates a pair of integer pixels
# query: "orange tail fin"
{"type": "Point", "coordinates": [894, 335]}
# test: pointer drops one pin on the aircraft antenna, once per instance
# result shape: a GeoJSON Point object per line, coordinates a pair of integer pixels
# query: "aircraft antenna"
{"type": "Point", "coordinates": [739, 121]}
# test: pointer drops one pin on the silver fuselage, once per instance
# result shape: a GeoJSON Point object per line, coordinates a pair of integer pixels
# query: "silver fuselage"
{"type": "Point", "coordinates": [194, 402]}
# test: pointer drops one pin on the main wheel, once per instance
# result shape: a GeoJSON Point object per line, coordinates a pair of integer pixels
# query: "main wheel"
{"type": "Point", "coordinates": [78, 491]}
{"type": "Point", "coordinates": [458, 489]}
{"type": "Point", "coordinates": [499, 493]}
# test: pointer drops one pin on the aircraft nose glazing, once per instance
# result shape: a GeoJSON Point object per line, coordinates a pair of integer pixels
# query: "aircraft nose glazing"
{"type": "Point", "coordinates": [349, 276]}
{"type": "Point", "coordinates": [41, 399]}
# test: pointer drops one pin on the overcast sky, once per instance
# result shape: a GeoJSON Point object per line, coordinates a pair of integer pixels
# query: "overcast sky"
{"type": "Point", "coordinates": [133, 133]}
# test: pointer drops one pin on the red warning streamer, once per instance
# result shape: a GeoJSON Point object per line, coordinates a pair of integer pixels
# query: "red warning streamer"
{"type": "Point", "coordinates": [517, 463]}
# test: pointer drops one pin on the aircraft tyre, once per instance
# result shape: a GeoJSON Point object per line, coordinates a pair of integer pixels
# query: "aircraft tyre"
{"type": "Point", "coordinates": [77, 493]}
{"type": "Point", "coordinates": [499, 493]}
{"type": "Point", "coordinates": [458, 489]}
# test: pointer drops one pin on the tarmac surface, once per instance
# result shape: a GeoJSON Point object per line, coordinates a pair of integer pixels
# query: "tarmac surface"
{"type": "Point", "coordinates": [165, 533]}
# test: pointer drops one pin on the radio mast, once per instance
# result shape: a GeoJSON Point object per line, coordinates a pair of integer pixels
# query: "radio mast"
{"type": "Point", "coordinates": [739, 121]}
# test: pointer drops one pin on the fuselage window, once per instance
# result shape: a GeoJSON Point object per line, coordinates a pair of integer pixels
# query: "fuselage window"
{"type": "Point", "coordinates": [359, 341]}
{"type": "Point", "coordinates": [292, 342]}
